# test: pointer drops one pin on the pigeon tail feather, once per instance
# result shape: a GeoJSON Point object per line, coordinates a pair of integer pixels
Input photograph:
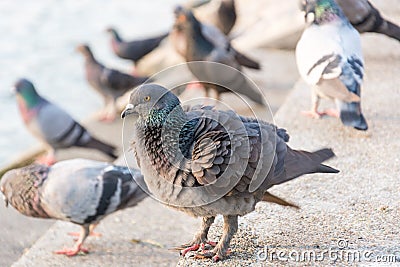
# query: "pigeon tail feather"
{"type": "Point", "coordinates": [103, 147]}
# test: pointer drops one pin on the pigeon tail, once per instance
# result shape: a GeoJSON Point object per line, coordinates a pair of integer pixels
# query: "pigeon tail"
{"type": "Point", "coordinates": [247, 62]}
{"type": "Point", "coordinates": [350, 115]}
{"type": "Point", "coordinates": [103, 147]}
{"type": "Point", "coordinates": [299, 162]}
{"type": "Point", "coordinates": [390, 29]}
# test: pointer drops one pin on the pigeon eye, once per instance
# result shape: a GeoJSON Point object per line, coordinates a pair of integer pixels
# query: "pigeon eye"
{"type": "Point", "coordinates": [147, 98]}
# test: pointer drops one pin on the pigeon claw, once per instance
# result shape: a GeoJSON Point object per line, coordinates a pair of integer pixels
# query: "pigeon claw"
{"type": "Point", "coordinates": [72, 251]}
{"type": "Point", "coordinates": [194, 247]}
{"type": "Point", "coordinates": [209, 243]}
{"type": "Point", "coordinates": [312, 114]}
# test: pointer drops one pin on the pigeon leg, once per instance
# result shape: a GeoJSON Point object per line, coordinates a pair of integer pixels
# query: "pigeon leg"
{"type": "Point", "coordinates": [332, 112]}
{"type": "Point", "coordinates": [313, 113]}
{"type": "Point", "coordinates": [78, 245]}
{"type": "Point", "coordinates": [48, 159]}
{"type": "Point", "coordinates": [200, 238]}
{"type": "Point", "coordinates": [222, 249]}
{"type": "Point", "coordinates": [109, 112]}
{"type": "Point", "coordinates": [91, 231]}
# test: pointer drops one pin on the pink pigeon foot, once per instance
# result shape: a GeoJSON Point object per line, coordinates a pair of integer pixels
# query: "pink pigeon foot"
{"type": "Point", "coordinates": [72, 251]}
{"type": "Point", "coordinates": [46, 160]}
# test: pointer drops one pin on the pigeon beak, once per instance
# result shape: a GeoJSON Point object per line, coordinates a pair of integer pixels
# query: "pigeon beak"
{"type": "Point", "coordinates": [129, 109]}
{"type": "Point", "coordinates": [308, 9]}
{"type": "Point", "coordinates": [181, 18]}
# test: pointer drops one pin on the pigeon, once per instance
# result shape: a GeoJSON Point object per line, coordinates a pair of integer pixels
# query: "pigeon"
{"type": "Point", "coordinates": [206, 43]}
{"type": "Point", "coordinates": [79, 191]}
{"type": "Point", "coordinates": [207, 162]}
{"type": "Point", "coordinates": [329, 59]}
{"type": "Point", "coordinates": [109, 83]}
{"type": "Point", "coordinates": [366, 18]}
{"type": "Point", "coordinates": [136, 49]}
{"type": "Point", "coordinates": [52, 125]}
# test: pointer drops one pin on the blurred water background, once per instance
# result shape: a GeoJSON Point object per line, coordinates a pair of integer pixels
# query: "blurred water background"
{"type": "Point", "coordinates": [38, 40]}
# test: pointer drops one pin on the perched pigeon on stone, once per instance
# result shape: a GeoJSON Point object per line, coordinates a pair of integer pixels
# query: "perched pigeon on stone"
{"type": "Point", "coordinates": [366, 18]}
{"type": "Point", "coordinates": [206, 43]}
{"type": "Point", "coordinates": [207, 162]}
{"type": "Point", "coordinates": [78, 191]}
{"type": "Point", "coordinates": [136, 49]}
{"type": "Point", "coordinates": [52, 125]}
{"type": "Point", "coordinates": [109, 83]}
{"type": "Point", "coordinates": [329, 58]}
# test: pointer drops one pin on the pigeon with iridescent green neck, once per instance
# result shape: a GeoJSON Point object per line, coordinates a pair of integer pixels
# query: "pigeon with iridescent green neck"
{"type": "Point", "coordinates": [366, 18]}
{"type": "Point", "coordinates": [52, 125]}
{"type": "Point", "coordinates": [208, 162]}
{"type": "Point", "coordinates": [79, 191]}
{"type": "Point", "coordinates": [329, 59]}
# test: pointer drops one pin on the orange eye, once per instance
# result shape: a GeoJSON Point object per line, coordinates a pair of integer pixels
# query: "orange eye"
{"type": "Point", "coordinates": [147, 98]}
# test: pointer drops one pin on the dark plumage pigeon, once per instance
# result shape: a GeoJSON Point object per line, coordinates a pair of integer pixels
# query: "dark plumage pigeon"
{"type": "Point", "coordinates": [52, 125]}
{"type": "Point", "coordinates": [78, 191]}
{"type": "Point", "coordinates": [109, 83]}
{"type": "Point", "coordinates": [136, 49]}
{"type": "Point", "coordinates": [366, 18]}
{"type": "Point", "coordinates": [207, 162]}
{"type": "Point", "coordinates": [207, 43]}
{"type": "Point", "coordinates": [329, 58]}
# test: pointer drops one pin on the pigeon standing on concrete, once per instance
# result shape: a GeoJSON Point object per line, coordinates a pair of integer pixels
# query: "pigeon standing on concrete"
{"type": "Point", "coordinates": [52, 125]}
{"type": "Point", "coordinates": [136, 49]}
{"type": "Point", "coordinates": [207, 162]}
{"type": "Point", "coordinates": [366, 18]}
{"type": "Point", "coordinates": [207, 43]}
{"type": "Point", "coordinates": [78, 191]}
{"type": "Point", "coordinates": [109, 83]}
{"type": "Point", "coordinates": [329, 58]}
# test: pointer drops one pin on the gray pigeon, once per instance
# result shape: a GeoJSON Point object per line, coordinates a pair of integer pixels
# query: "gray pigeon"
{"type": "Point", "coordinates": [109, 83]}
{"type": "Point", "coordinates": [206, 43]}
{"type": "Point", "coordinates": [329, 58]}
{"type": "Point", "coordinates": [52, 125]}
{"type": "Point", "coordinates": [78, 191]}
{"type": "Point", "coordinates": [207, 162]}
{"type": "Point", "coordinates": [366, 18]}
{"type": "Point", "coordinates": [136, 49]}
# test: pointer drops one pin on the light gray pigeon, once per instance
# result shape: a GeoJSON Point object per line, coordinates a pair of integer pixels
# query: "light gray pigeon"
{"type": "Point", "coordinates": [52, 125]}
{"type": "Point", "coordinates": [79, 191]}
{"type": "Point", "coordinates": [329, 58]}
{"type": "Point", "coordinates": [200, 42]}
{"type": "Point", "coordinates": [207, 162]}
{"type": "Point", "coordinates": [109, 83]}
{"type": "Point", "coordinates": [366, 18]}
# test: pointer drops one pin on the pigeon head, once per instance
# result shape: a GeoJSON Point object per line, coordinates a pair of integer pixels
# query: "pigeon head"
{"type": "Point", "coordinates": [184, 19]}
{"type": "Point", "coordinates": [26, 90]}
{"type": "Point", "coordinates": [84, 49]}
{"type": "Point", "coordinates": [324, 11]}
{"type": "Point", "coordinates": [152, 103]}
